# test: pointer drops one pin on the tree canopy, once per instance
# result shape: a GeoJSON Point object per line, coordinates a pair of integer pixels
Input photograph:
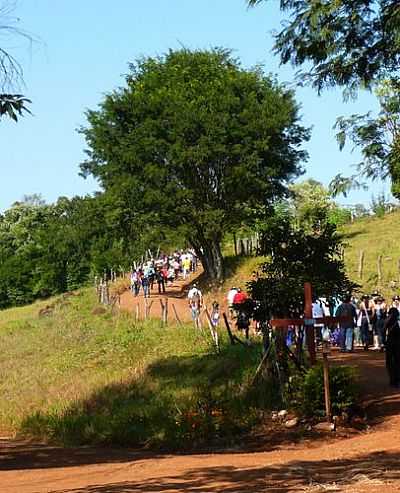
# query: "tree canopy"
{"type": "Point", "coordinates": [378, 136]}
{"type": "Point", "coordinates": [350, 43]}
{"type": "Point", "coordinates": [293, 258]}
{"type": "Point", "coordinates": [11, 74]}
{"type": "Point", "coordinates": [195, 143]}
{"type": "Point", "coordinates": [51, 248]}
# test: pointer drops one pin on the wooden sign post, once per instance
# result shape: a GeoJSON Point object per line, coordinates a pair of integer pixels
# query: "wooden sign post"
{"type": "Point", "coordinates": [325, 363]}
{"type": "Point", "coordinates": [308, 321]}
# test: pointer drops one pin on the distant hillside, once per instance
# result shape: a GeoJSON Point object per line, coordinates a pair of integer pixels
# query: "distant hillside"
{"type": "Point", "coordinates": [378, 238]}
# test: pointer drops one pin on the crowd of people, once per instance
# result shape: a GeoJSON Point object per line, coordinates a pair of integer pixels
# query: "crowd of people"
{"type": "Point", "coordinates": [162, 271]}
{"type": "Point", "coordinates": [368, 323]}
{"type": "Point", "coordinates": [363, 321]}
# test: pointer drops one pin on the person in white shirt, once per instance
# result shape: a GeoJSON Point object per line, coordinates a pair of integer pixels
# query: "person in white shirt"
{"type": "Point", "coordinates": [195, 299]}
{"type": "Point", "coordinates": [230, 296]}
{"type": "Point", "coordinates": [318, 312]}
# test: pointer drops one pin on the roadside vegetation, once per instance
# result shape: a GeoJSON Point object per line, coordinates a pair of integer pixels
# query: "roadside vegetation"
{"type": "Point", "coordinates": [78, 375]}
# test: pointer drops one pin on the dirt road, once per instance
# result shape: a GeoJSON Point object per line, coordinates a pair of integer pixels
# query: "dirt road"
{"type": "Point", "coordinates": [177, 301]}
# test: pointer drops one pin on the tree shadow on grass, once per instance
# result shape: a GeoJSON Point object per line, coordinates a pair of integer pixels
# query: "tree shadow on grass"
{"type": "Point", "coordinates": [154, 409]}
{"type": "Point", "coordinates": [145, 412]}
{"type": "Point", "coordinates": [378, 468]}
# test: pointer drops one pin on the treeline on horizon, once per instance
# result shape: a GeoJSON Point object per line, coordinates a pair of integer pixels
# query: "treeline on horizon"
{"type": "Point", "coordinates": [46, 249]}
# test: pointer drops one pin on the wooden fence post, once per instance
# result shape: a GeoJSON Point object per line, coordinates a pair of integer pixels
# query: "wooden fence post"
{"type": "Point", "coordinates": [145, 308]}
{"type": "Point", "coordinates": [327, 391]}
{"type": "Point", "coordinates": [162, 312]}
{"type": "Point", "coordinates": [105, 293]}
{"type": "Point", "coordinates": [379, 266]}
{"type": "Point", "coordinates": [361, 264]}
{"type": "Point", "coordinates": [235, 249]}
{"type": "Point", "coordinates": [166, 312]}
{"type": "Point", "coordinates": [242, 249]}
{"type": "Point", "coordinates": [309, 327]}
{"type": "Point", "coordinates": [148, 308]}
{"type": "Point", "coordinates": [176, 315]}
{"type": "Point", "coordinates": [228, 328]}
{"type": "Point", "coordinates": [213, 330]}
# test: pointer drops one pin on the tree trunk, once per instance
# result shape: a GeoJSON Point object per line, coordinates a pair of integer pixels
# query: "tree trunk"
{"type": "Point", "coordinates": [212, 260]}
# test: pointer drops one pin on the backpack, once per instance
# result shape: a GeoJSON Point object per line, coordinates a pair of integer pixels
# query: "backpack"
{"type": "Point", "coordinates": [242, 320]}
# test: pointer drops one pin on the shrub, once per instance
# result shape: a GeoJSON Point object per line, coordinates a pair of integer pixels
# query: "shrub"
{"type": "Point", "coordinates": [309, 390]}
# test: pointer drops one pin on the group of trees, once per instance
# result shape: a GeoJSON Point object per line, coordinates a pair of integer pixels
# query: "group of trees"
{"type": "Point", "coordinates": [47, 249]}
{"type": "Point", "coordinates": [353, 45]}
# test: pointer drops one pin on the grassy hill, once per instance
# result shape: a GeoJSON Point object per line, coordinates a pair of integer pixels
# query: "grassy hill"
{"type": "Point", "coordinates": [375, 237]}
{"type": "Point", "coordinates": [78, 376]}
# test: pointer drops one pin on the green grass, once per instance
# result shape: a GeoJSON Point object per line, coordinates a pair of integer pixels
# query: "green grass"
{"type": "Point", "coordinates": [78, 378]}
{"type": "Point", "coordinates": [375, 236]}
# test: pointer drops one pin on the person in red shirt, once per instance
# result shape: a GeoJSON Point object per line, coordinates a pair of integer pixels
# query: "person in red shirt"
{"type": "Point", "coordinates": [240, 297]}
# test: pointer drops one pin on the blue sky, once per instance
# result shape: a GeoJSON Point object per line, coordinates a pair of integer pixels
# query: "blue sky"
{"type": "Point", "coordinates": [83, 51]}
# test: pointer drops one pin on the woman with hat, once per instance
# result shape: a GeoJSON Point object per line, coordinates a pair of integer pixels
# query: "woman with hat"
{"type": "Point", "coordinates": [367, 312]}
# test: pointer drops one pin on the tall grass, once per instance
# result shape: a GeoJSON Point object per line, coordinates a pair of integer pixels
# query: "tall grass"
{"type": "Point", "coordinates": [375, 236]}
{"type": "Point", "coordinates": [75, 377]}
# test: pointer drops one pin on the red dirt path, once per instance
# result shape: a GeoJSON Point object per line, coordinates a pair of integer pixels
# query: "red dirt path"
{"type": "Point", "coordinates": [177, 297]}
{"type": "Point", "coordinates": [367, 463]}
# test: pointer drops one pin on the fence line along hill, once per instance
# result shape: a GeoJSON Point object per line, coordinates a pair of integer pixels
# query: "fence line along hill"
{"type": "Point", "coordinates": [372, 253]}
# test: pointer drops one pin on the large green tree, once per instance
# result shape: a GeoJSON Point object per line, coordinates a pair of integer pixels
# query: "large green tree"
{"type": "Point", "coordinates": [196, 144]}
{"type": "Point", "coordinates": [350, 43]}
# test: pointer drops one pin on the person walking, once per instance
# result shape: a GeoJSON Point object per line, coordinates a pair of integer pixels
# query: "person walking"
{"type": "Point", "coordinates": [215, 315]}
{"type": "Point", "coordinates": [177, 268]}
{"type": "Point", "coordinates": [195, 300]}
{"type": "Point", "coordinates": [185, 265]}
{"type": "Point", "coordinates": [171, 275]}
{"type": "Point", "coordinates": [230, 297]}
{"type": "Point", "coordinates": [392, 330]}
{"type": "Point", "coordinates": [367, 314]}
{"type": "Point", "coordinates": [379, 324]}
{"type": "Point", "coordinates": [243, 322]}
{"type": "Point", "coordinates": [240, 297]}
{"type": "Point", "coordinates": [318, 312]}
{"type": "Point", "coordinates": [135, 282]}
{"type": "Point", "coordinates": [346, 310]}
{"type": "Point", "coordinates": [160, 281]}
{"type": "Point", "coordinates": [146, 285]}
